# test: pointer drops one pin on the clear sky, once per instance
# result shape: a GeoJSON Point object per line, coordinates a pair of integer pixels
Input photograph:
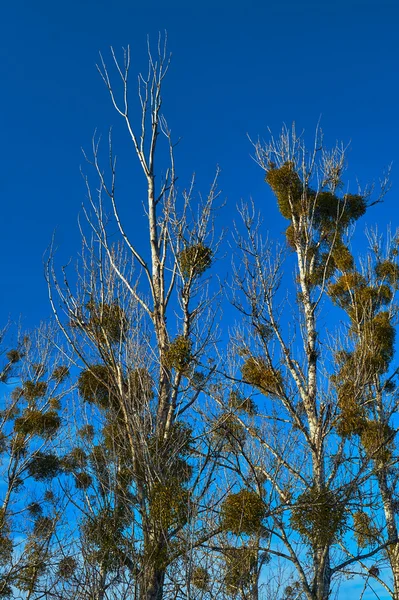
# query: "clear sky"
{"type": "Point", "coordinates": [238, 67]}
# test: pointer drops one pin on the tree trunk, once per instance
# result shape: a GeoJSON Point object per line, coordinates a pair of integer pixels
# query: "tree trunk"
{"type": "Point", "coordinates": [153, 583]}
{"type": "Point", "coordinates": [322, 578]}
{"type": "Point", "coordinates": [393, 549]}
{"type": "Point", "coordinates": [254, 593]}
{"type": "Point", "coordinates": [394, 560]}
{"type": "Point", "coordinates": [98, 592]}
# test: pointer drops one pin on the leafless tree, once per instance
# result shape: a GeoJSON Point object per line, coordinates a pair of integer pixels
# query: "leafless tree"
{"type": "Point", "coordinates": [142, 326]}
{"type": "Point", "coordinates": [369, 401]}
{"type": "Point", "coordinates": [35, 381]}
{"type": "Point", "coordinates": [285, 356]}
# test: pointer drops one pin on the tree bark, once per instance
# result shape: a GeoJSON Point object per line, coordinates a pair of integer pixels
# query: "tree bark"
{"type": "Point", "coordinates": [393, 549]}
{"type": "Point", "coordinates": [153, 583]}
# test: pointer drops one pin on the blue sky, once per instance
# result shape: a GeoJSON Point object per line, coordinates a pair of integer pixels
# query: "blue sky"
{"type": "Point", "coordinates": [237, 68]}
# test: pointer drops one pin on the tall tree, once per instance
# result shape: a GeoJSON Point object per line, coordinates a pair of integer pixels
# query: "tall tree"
{"type": "Point", "coordinates": [286, 355]}
{"type": "Point", "coordinates": [367, 386]}
{"type": "Point", "coordinates": [140, 324]}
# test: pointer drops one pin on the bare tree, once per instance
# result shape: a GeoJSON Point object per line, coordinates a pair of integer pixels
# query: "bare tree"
{"type": "Point", "coordinates": [139, 324]}
{"type": "Point", "coordinates": [30, 425]}
{"type": "Point", "coordinates": [286, 356]}
{"type": "Point", "coordinates": [368, 401]}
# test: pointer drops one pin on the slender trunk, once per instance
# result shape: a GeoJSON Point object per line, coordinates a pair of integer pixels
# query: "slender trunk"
{"type": "Point", "coordinates": [393, 549]}
{"type": "Point", "coordinates": [155, 590]}
{"type": "Point", "coordinates": [254, 592]}
{"type": "Point", "coordinates": [322, 579]}
{"type": "Point", "coordinates": [154, 563]}
{"type": "Point", "coordinates": [394, 560]}
{"type": "Point", "coordinates": [100, 594]}
{"type": "Point", "coordinates": [159, 317]}
{"type": "Point", "coordinates": [152, 583]}
{"type": "Point", "coordinates": [321, 563]}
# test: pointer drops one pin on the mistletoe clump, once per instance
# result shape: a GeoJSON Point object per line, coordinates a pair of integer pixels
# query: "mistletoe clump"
{"type": "Point", "coordinates": [342, 257]}
{"type": "Point", "coordinates": [35, 509]}
{"type": "Point", "coordinates": [43, 527]}
{"type": "Point", "coordinates": [388, 271]}
{"type": "Point", "coordinates": [44, 466]}
{"type": "Point", "coordinates": [54, 403]}
{"type": "Point", "coordinates": [103, 532]}
{"type": "Point", "coordinates": [332, 212]}
{"type": "Point", "coordinates": [264, 330]}
{"type": "Point", "coordinates": [323, 269]}
{"type": "Point", "coordinates": [239, 566]}
{"type": "Point", "coordinates": [287, 186]}
{"type": "Point", "coordinates": [352, 411]}
{"type": "Point", "coordinates": [83, 480]}
{"type": "Point", "coordinates": [44, 424]}
{"type": "Point", "coordinates": [257, 372]}
{"type": "Point", "coordinates": [374, 297]}
{"type": "Point", "coordinates": [228, 433]}
{"type": "Point", "coordinates": [352, 293]}
{"type": "Point", "coordinates": [372, 356]}
{"type": "Point", "coordinates": [66, 567]}
{"type": "Point", "coordinates": [291, 237]}
{"type": "Point", "coordinates": [377, 439]}
{"type": "Point", "coordinates": [319, 515]}
{"type": "Point", "coordinates": [326, 209]}
{"type": "Point", "coordinates": [35, 567]}
{"type": "Point", "coordinates": [76, 459]}
{"type": "Point", "coordinates": [343, 290]}
{"type": "Point", "coordinates": [352, 418]}
{"type": "Point", "coordinates": [14, 356]}
{"type": "Point", "coordinates": [195, 260]}
{"type": "Point", "coordinates": [98, 460]}
{"type": "Point", "coordinates": [355, 206]}
{"type": "Point", "coordinates": [86, 432]}
{"type": "Point", "coordinates": [18, 444]}
{"type": "Point", "coordinates": [377, 343]}
{"type": "Point", "coordinates": [32, 390]}
{"type": "Point", "coordinates": [96, 385]}
{"type": "Point", "coordinates": [5, 590]}
{"type": "Point", "coordinates": [140, 385]}
{"type": "Point", "coordinates": [114, 437]}
{"type": "Point", "coordinates": [242, 404]}
{"type": "Point", "coordinates": [365, 532]}
{"type": "Point", "coordinates": [292, 592]}
{"type": "Point", "coordinates": [242, 513]}
{"type": "Point", "coordinates": [60, 373]}
{"type": "Point", "coordinates": [3, 442]}
{"type": "Point", "coordinates": [180, 438]}
{"type": "Point", "coordinates": [6, 548]}
{"type": "Point", "coordinates": [200, 578]}
{"type": "Point", "coordinates": [178, 355]}
{"type": "Point", "coordinates": [107, 323]}
{"type": "Point", "coordinates": [169, 504]}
